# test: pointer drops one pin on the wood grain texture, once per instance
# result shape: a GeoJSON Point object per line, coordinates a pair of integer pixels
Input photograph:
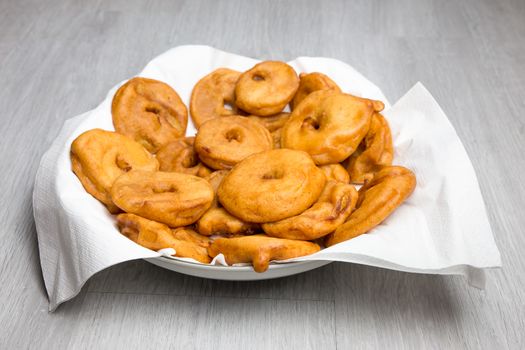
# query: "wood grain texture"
{"type": "Point", "coordinates": [58, 59]}
{"type": "Point", "coordinates": [159, 321]}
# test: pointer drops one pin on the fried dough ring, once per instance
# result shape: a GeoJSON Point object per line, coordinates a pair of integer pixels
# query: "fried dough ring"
{"type": "Point", "coordinates": [374, 152]}
{"type": "Point", "coordinates": [150, 112]}
{"type": "Point", "coordinates": [179, 156]}
{"type": "Point", "coordinates": [310, 82]}
{"type": "Point", "coordinates": [271, 186]}
{"type": "Point", "coordinates": [155, 236]}
{"type": "Point", "coordinates": [98, 157]}
{"type": "Point", "coordinates": [266, 88]}
{"type": "Point", "coordinates": [331, 209]}
{"type": "Point", "coordinates": [173, 199]}
{"type": "Point", "coordinates": [259, 250]}
{"type": "Point", "coordinates": [217, 220]}
{"type": "Point", "coordinates": [327, 125]}
{"type": "Point", "coordinates": [223, 142]}
{"type": "Point", "coordinates": [212, 94]}
{"type": "Point", "coordinates": [378, 198]}
{"type": "Point", "coordinates": [335, 172]}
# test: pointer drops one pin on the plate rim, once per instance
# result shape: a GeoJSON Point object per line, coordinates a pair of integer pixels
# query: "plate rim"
{"type": "Point", "coordinates": [247, 268]}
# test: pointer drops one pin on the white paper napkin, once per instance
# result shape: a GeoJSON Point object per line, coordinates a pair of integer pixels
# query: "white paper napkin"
{"type": "Point", "coordinates": [442, 228]}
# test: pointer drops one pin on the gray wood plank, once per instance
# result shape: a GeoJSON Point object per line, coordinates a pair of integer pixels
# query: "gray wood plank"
{"type": "Point", "coordinates": [140, 277]}
{"type": "Point", "coordinates": [120, 321]}
{"type": "Point", "coordinates": [378, 309]}
{"type": "Point", "coordinates": [58, 59]}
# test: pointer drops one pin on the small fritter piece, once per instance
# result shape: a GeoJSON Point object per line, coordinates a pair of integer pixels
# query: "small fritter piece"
{"type": "Point", "coordinates": [374, 152]}
{"type": "Point", "coordinates": [276, 136]}
{"type": "Point", "coordinates": [189, 235]}
{"type": "Point", "coordinates": [310, 82]}
{"type": "Point", "coordinates": [378, 105]}
{"type": "Point", "coordinates": [335, 172]}
{"type": "Point", "coordinates": [155, 236]}
{"type": "Point", "coordinates": [271, 186]}
{"type": "Point", "coordinates": [378, 198]}
{"type": "Point", "coordinates": [180, 157]}
{"type": "Point", "coordinates": [266, 88]}
{"type": "Point", "coordinates": [150, 112]}
{"type": "Point", "coordinates": [214, 96]}
{"type": "Point", "coordinates": [173, 199]}
{"type": "Point", "coordinates": [215, 180]}
{"type": "Point", "coordinates": [331, 209]}
{"type": "Point", "coordinates": [98, 157]}
{"type": "Point", "coordinates": [223, 142]}
{"type": "Point", "coordinates": [272, 122]}
{"type": "Point", "coordinates": [327, 125]}
{"type": "Point", "coordinates": [216, 220]}
{"type": "Point", "coordinates": [260, 250]}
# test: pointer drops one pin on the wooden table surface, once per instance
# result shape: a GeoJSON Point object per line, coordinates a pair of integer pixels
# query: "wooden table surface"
{"type": "Point", "coordinates": [58, 59]}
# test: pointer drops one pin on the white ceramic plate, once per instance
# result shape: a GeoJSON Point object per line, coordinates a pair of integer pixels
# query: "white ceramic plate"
{"type": "Point", "coordinates": [236, 273]}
